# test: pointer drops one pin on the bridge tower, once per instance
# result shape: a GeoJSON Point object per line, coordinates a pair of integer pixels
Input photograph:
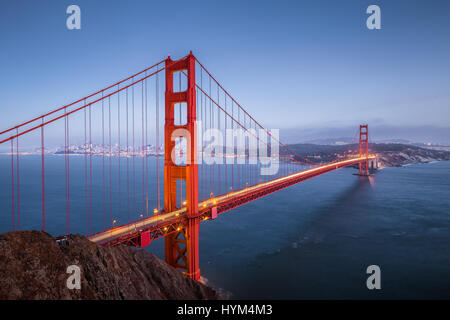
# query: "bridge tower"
{"type": "Point", "coordinates": [181, 248]}
{"type": "Point", "coordinates": [364, 149]}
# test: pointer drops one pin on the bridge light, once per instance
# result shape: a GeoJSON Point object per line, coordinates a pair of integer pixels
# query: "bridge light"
{"type": "Point", "coordinates": [178, 229]}
{"type": "Point", "coordinates": [184, 203]}
{"type": "Point", "coordinates": [165, 229]}
{"type": "Point", "coordinates": [177, 214]}
{"type": "Point", "coordinates": [155, 210]}
{"type": "Point", "coordinates": [114, 222]}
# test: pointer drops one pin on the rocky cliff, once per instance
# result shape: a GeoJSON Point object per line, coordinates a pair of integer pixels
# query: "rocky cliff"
{"type": "Point", "coordinates": [33, 265]}
{"type": "Point", "coordinates": [394, 155]}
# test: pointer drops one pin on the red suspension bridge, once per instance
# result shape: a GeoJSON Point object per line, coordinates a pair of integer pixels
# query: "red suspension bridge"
{"type": "Point", "coordinates": [141, 181]}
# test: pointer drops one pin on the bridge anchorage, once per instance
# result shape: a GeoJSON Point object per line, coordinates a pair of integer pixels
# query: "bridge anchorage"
{"type": "Point", "coordinates": [208, 181]}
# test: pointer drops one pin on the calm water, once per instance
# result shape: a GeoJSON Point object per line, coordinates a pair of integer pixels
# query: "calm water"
{"type": "Point", "coordinates": [312, 240]}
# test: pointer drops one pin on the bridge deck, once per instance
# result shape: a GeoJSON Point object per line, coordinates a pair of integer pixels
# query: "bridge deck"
{"type": "Point", "coordinates": [166, 223]}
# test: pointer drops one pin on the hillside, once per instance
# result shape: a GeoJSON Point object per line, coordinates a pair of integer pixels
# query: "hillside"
{"type": "Point", "coordinates": [33, 266]}
{"type": "Point", "coordinates": [390, 154]}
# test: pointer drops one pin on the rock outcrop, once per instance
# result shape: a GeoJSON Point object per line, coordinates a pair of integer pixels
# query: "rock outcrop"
{"type": "Point", "coordinates": [33, 265]}
{"type": "Point", "coordinates": [408, 155]}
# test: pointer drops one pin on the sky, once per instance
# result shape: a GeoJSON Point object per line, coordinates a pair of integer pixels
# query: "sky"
{"type": "Point", "coordinates": [292, 64]}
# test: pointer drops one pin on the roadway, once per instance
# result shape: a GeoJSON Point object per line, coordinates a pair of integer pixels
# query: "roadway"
{"type": "Point", "coordinates": [226, 201]}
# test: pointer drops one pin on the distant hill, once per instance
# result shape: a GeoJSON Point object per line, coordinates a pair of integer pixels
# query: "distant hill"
{"type": "Point", "coordinates": [390, 154]}
{"type": "Point", "coordinates": [331, 141]}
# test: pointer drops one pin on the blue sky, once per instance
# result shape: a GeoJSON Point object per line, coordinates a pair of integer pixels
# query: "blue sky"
{"type": "Point", "coordinates": [292, 64]}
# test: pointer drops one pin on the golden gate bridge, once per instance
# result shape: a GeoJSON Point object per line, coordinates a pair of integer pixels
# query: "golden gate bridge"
{"type": "Point", "coordinates": [182, 190]}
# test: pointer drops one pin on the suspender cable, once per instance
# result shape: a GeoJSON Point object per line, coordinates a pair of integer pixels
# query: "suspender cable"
{"type": "Point", "coordinates": [110, 162]}
{"type": "Point", "coordinates": [240, 151]}
{"type": "Point", "coordinates": [226, 150]}
{"type": "Point", "coordinates": [18, 182]}
{"type": "Point", "coordinates": [85, 171]}
{"type": "Point", "coordinates": [12, 183]}
{"type": "Point", "coordinates": [142, 150]}
{"type": "Point", "coordinates": [221, 152]}
{"type": "Point", "coordinates": [68, 176]}
{"type": "Point", "coordinates": [65, 167]}
{"type": "Point", "coordinates": [158, 195]}
{"type": "Point", "coordinates": [90, 164]}
{"type": "Point", "coordinates": [199, 146]}
{"type": "Point", "coordinates": [43, 177]}
{"type": "Point", "coordinates": [203, 131]}
{"type": "Point", "coordinates": [211, 167]}
{"type": "Point", "coordinates": [119, 196]}
{"type": "Point", "coordinates": [133, 153]}
{"type": "Point", "coordinates": [232, 144]}
{"type": "Point", "coordinates": [127, 154]}
{"type": "Point", "coordinates": [146, 148]}
{"type": "Point", "coordinates": [180, 144]}
{"type": "Point", "coordinates": [103, 164]}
